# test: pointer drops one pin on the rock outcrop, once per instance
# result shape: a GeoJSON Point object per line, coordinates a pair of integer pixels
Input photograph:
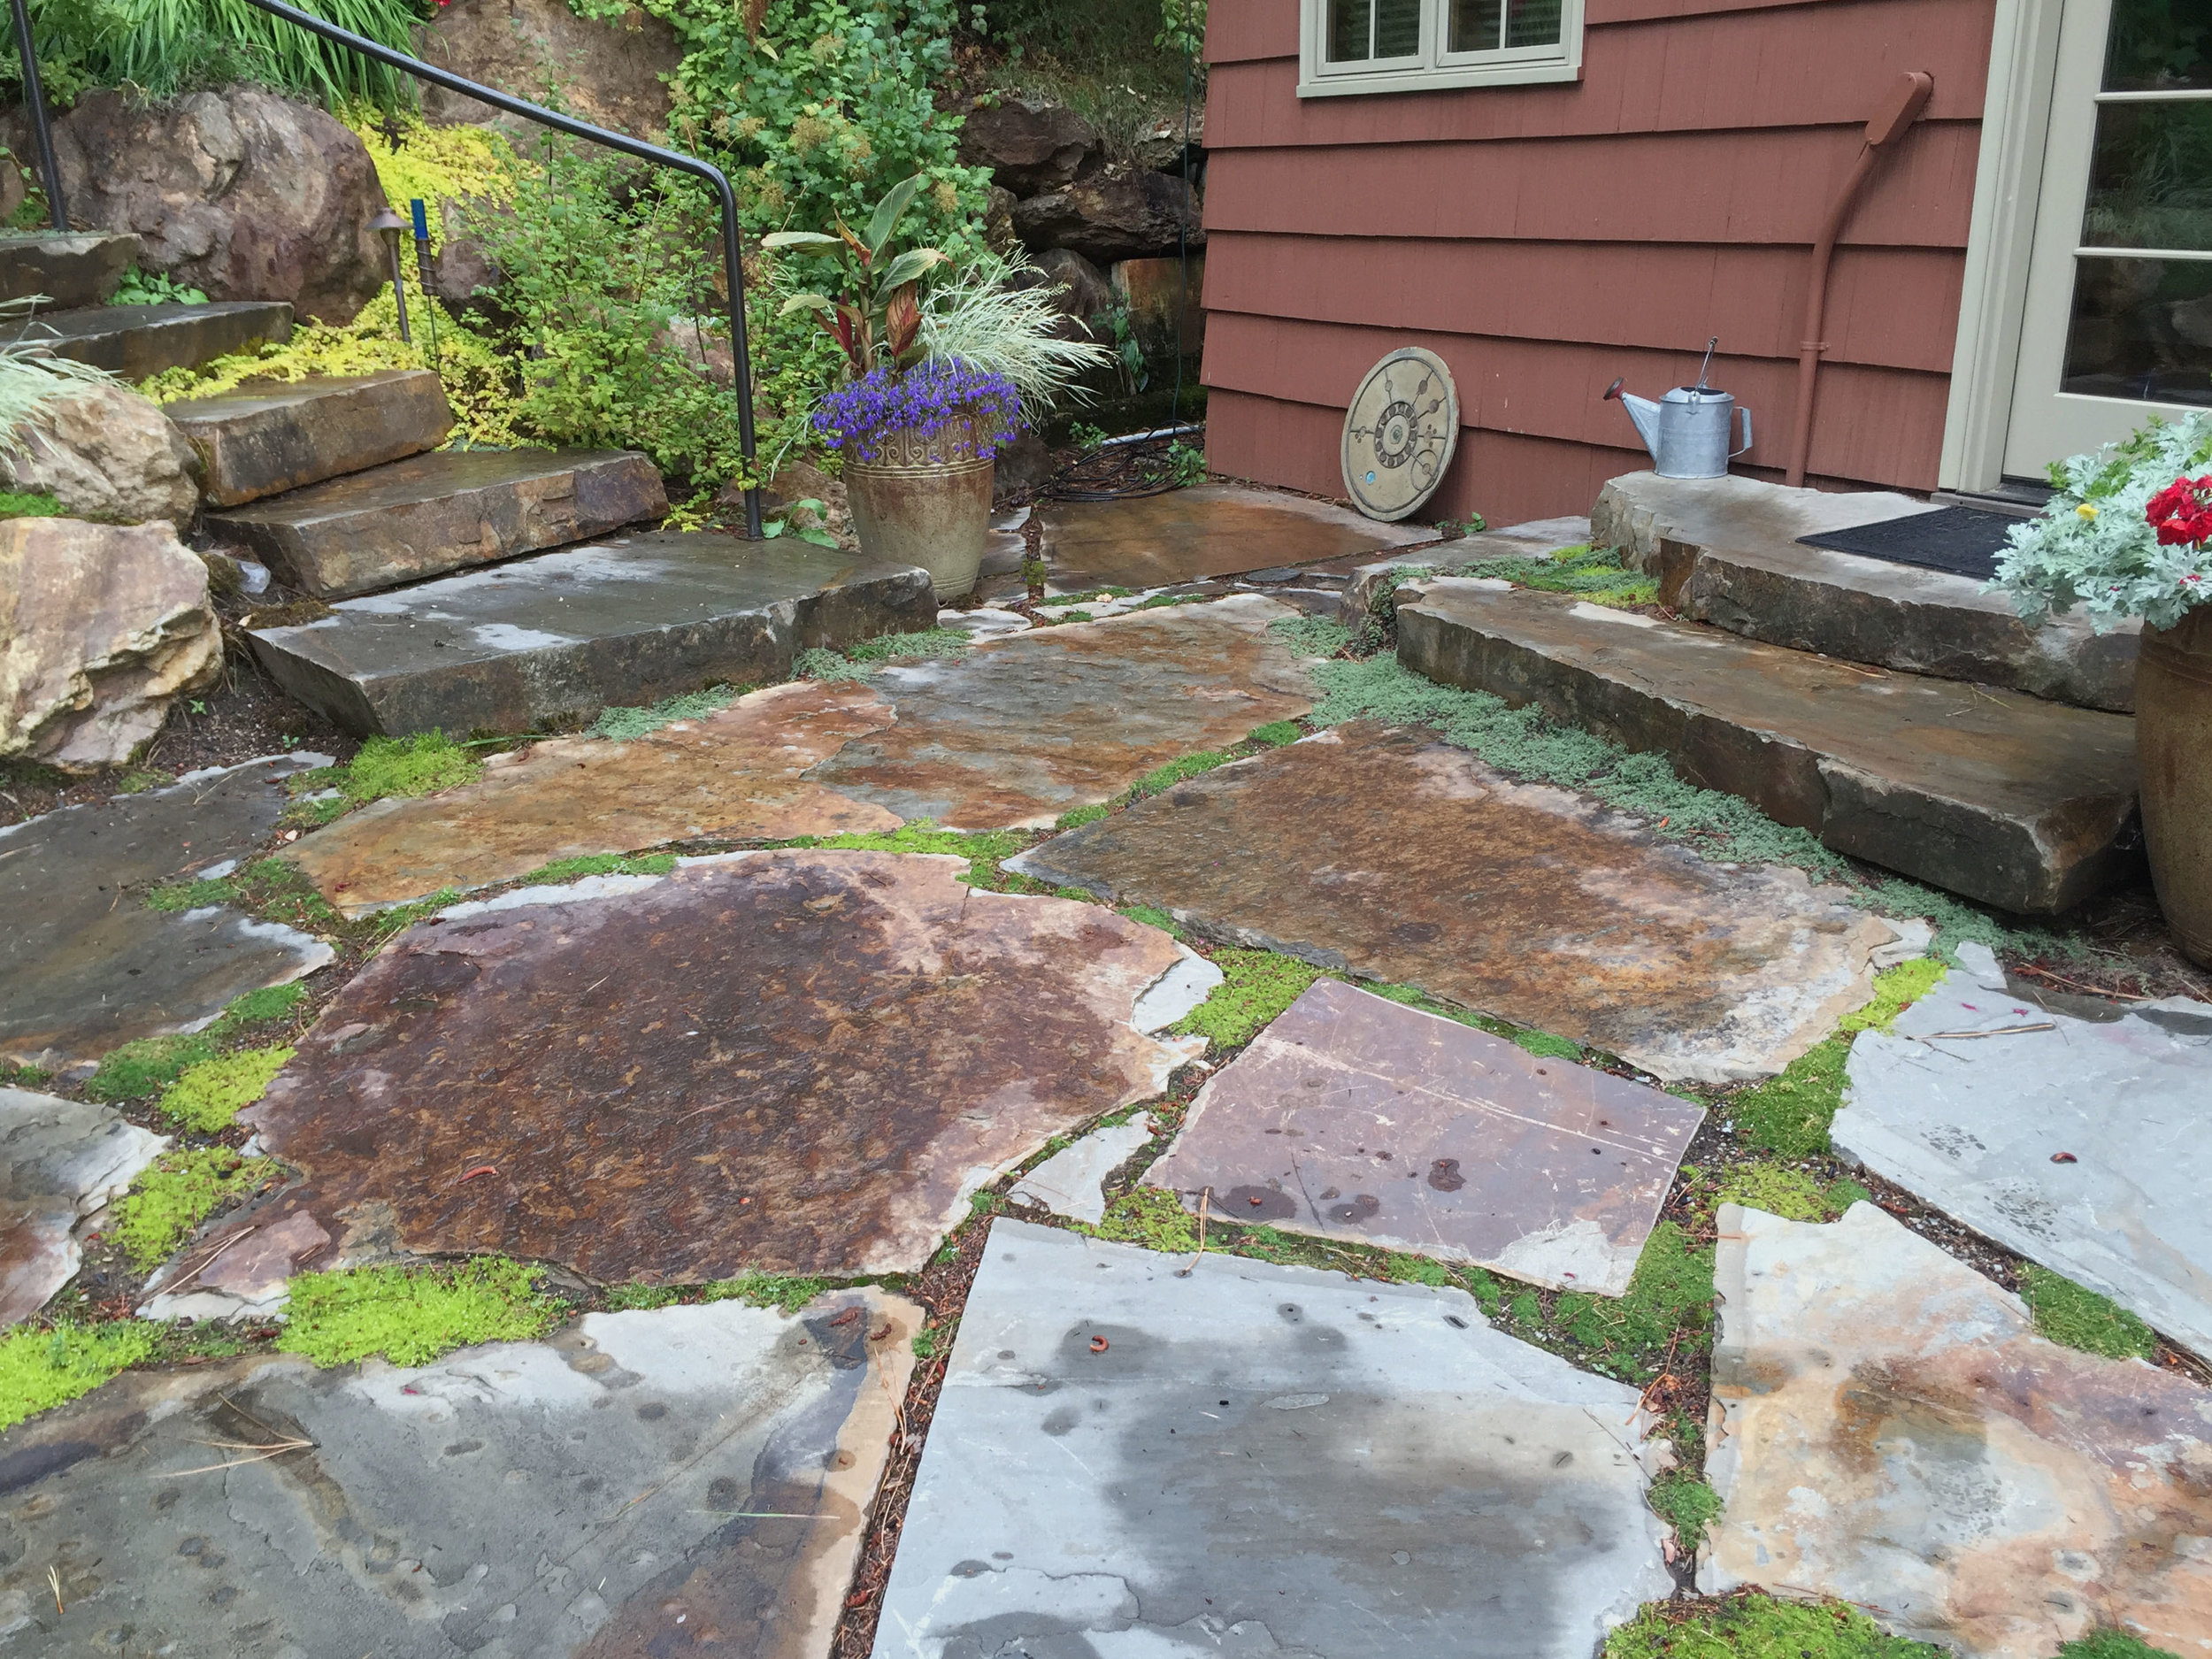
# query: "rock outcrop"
{"type": "Point", "coordinates": [1112, 216]}
{"type": "Point", "coordinates": [1030, 145]}
{"type": "Point", "coordinates": [106, 452]}
{"type": "Point", "coordinates": [612, 74]}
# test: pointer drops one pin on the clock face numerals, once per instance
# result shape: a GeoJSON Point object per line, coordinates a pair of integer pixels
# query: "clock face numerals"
{"type": "Point", "coordinates": [1400, 433]}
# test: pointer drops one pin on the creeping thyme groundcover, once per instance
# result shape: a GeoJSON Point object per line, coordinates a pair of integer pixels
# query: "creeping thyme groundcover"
{"type": "Point", "coordinates": [924, 400]}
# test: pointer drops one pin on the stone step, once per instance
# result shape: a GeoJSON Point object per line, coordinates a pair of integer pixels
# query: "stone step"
{"type": "Point", "coordinates": [2017, 803]}
{"type": "Point", "coordinates": [78, 268]}
{"type": "Point", "coordinates": [1725, 551]}
{"type": "Point", "coordinates": [138, 340]}
{"type": "Point", "coordinates": [429, 514]}
{"type": "Point", "coordinates": [561, 636]}
{"type": "Point", "coordinates": [263, 440]}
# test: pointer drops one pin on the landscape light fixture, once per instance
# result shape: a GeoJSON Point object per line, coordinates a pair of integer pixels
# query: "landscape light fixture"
{"type": "Point", "coordinates": [388, 224]}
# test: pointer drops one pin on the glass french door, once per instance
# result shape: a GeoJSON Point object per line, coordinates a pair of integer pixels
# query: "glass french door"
{"type": "Point", "coordinates": [2118, 319]}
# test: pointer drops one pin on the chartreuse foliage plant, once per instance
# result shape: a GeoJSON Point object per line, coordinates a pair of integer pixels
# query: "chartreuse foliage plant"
{"type": "Point", "coordinates": [43, 1368]}
{"type": "Point", "coordinates": [177, 1191]}
{"type": "Point", "coordinates": [434, 163]}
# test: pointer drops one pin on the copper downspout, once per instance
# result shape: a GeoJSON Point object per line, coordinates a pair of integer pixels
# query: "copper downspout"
{"type": "Point", "coordinates": [1900, 110]}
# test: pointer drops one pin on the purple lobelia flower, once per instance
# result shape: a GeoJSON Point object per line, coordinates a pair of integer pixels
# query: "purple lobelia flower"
{"type": "Point", "coordinates": [926, 399]}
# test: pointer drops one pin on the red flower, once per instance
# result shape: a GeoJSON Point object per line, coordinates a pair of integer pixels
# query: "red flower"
{"type": "Point", "coordinates": [2182, 513]}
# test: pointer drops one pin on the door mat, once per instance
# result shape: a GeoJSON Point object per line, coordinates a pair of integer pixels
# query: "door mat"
{"type": "Point", "coordinates": [1961, 540]}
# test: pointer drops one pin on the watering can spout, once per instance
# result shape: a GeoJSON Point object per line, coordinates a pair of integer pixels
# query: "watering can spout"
{"type": "Point", "coordinates": [1643, 412]}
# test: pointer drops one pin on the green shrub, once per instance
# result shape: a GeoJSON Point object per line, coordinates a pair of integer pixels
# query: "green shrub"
{"type": "Point", "coordinates": [412, 1315]}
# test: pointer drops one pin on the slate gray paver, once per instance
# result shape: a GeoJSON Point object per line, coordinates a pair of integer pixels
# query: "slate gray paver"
{"type": "Point", "coordinates": [689, 1479]}
{"type": "Point", "coordinates": [1972, 1125]}
{"type": "Point", "coordinates": [84, 965]}
{"type": "Point", "coordinates": [60, 1161]}
{"type": "Point", "coordinates": [1072, 1182]}
{"type": "Point", "coordinates": [1259, 1459]}
{"type": "Point", "coordinates": [1352, 1116]}
{"type": "Point", "coordinates": [1886, 1428]}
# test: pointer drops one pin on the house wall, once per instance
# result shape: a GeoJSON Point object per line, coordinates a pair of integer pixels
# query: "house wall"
{"type": "Point", "coordinates": [1545, 238]}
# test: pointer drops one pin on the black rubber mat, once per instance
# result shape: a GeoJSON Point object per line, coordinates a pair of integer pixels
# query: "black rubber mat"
{"type": "Point", "coordinates": [1961, 540]}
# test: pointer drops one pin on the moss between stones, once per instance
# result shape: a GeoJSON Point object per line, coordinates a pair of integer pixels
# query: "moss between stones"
{"type": "Point", "coordinates": [2112, 1644]}
{"type": "Point", "coordinates": [2078, 1317]}
{"type": "Point", "coordinates": [1255, 987]}
{"type": "Point", "coordinates": [39, 1369]}
{"type": "Point", "coordinates": [1276, 734]}
{"type": "Point", "coordinates": [1790, 1114]}
{"type": "Point", "coordinates": [177, 1191]}
{"type": "Point", "coordinates": [140, 1068]}
{"type": "Point", "coordinates": [1311, 636]}
{"type": "Point", "coordinates": [28, 505]}
{"type": "Point", "coordinates": [1686, 1504]}
{"type": "Point", "coordinates": [1755, 1626]}
{"type": "Point", "coordinates": [1668, 1303]}
{"type": "Point", "coordinates": [601, 864]}
{"type": "Point", "coordinates": [385, 767]}
{"type": "Point", "coordinates": [1779, 1189]}
{"type": "Point", "coordinates": [625, 723]}
{"type": "Point", "coordinates": [412, 1315]}
{"type": "Point", "coordinates": [860, 661]}
{"type": "Point", "coordinates": [1594, 574]}
{"type": "Point", "coordinates": [206, 1097]}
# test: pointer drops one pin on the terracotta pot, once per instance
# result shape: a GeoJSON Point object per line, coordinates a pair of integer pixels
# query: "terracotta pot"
{"type": "Point", "coordinates": [2173, 742]}
{"type": "Point", "coordinates": [926, 500]}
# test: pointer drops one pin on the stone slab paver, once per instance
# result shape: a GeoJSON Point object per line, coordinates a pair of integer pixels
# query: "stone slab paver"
{"type": "Point", "coordinates": [60, 1162]}
{"type": "Point", "coordinates": [1208, 530]}
{"type": "Point", "coordinates": [563, 635]}
{"type": "Point", "coordinates": [84, 965]}
{"type": "Point", "coordinates": [258, 441]}
{"type": "Point", "coordinates": [794, 1061]}
{"type": "Point", "coordinates": [1887, 1428]}
{"type": "Point", "coordinates": [1072, 1183]}
{"type": "Point", "coordinates": [1020, 730]}
{"type": "Point", "coordinates": [1386, 852]}
{"type": "Point", "coordinates": [1637, 511]}
{"type": "Point", "coordinates": [2005, 798]}
{"type": "Point", "coordinates": [1258, 1460]}
{"type": "Point", "coordinates": [1352, 1116]}
{"type": "Point", "coordinates": [1973, 1125]}
{"type": "Point", "coordinates": [1536, 538]}
{"type": "Point", "coordinates": [686, 1479]}
{"type": "Point", "coordinates": [733, 774]}
{"type": "Point", "coordinates": [66, 269]}
{"type": "Point", "coordinates": [135, 342]}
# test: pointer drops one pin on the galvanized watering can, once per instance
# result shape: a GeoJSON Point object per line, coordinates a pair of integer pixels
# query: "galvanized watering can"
{"type": "Point", "coordinates": [1688, 430]}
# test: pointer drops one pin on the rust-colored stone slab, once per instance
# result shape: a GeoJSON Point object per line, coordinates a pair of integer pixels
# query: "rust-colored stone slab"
{"type": "Point", "coordinates": [1353, 1117]}
{"type": "Point", "coordinates": [796, 1062]}
{"type": "Point", "coordinates": [733, 774]}
{"type": "Point", "coordinates": [1019, 730]}
{"type": "Point", "coordinates": [1211, 530]}
{"type": "Point", "coordinates": [1887, 1428]}
{"type": "Point", "coordinates": [1390, 853]}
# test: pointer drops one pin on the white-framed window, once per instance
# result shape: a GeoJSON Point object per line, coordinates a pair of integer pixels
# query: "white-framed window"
{"type": "Point", "coordinates": [1348, 46]}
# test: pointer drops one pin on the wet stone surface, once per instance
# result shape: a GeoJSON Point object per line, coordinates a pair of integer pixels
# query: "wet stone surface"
{"type": "Point", "coordinates": [1210, 530]}
{"type": "Point", "coordinates": [1259, 1461]}
{"type": "Point", "coordinates": [1887, 1429]}
{"type": "Point", "coordinates": [1020, 730]}
{"type": "Point", "coordinates": [690, 1479]}
{"type": "Point", "coordinates": [1072, 1182]}
{"type": "Point", "coordinates": [1975, 1125]}
{"type": "Point", "coordinates": [733, 774]}
{"type": "Point", "coordinates": [797, 1062]}
{"type": "Point", "coordinates": [60, 1161]}
{"type": "Point", "coordinates": [1356, 1117]}
{"type": "Point", "coordinates": [1386, 852]}
{"type": "Point", "coordinates": [84, 963]}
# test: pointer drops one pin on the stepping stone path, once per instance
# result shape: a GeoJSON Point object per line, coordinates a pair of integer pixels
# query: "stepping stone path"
{"type": "Point", "coordinates": [690, 1479]}
{"type": "Point", "coordinates": [1353, 1118]}
{"type": "Point", "coordinates": [1389, 853]}
{"type": "Point", "coordinates": [797, 1062]}
{"type": "Point", "coordinates": [2084, 1143]}
{"type": "Point", "coordinates": [734, 773]}
{"type": "Point", "coordinates": [1258, 1460]}
{"type": "Point", "coordinates": [1887, 1429]}
{"type": "Point", "coordinates": [1072, 1182]}
{"type": "Point", "coordinates": [85, 965]}
{"type": "Point", "coordinates": [1210, 530]}
{"type": "Point", "coordinates": [60, 1162]}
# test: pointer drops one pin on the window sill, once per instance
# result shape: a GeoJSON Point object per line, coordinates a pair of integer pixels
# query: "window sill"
{"type": "Point", "coordinates": [1519, 74]}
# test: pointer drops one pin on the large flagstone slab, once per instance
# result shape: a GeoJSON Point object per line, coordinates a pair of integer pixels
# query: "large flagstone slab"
{"type": "Point", "coordinates": [2085, 1144]}
{"type": "Point", "coordinates": [1352, 1116]}
{"type": "Point", "coordinates": [84, 965]}
{"type": "Point", "coordinates": [734, 773]}
{"type": "Point", "coordinates": [796, 1062]}
{"type": "Point", "coordinates": [1887, 1428]}
{"type": "Point", "coordinates": [60, 1161]}
{"type": "Point", "coordinates": [1253, 1460]}
{"type": "Point", "coordinates": [1386, 852]}
{"type": "Point", "coordinates": [688, 1479]}
{"type": "Point", "coordinates": [1018, 731]}
{"type": "Point", "coordinates": [1208, 530]}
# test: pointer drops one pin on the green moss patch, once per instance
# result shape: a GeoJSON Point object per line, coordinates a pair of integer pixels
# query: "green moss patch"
{"type": "Point", "coordinates": [767, 1290]}
{"type": "Point", "coordinates": [412, 1315]}
{"type": "Point", "coordinates": [387, 766]}
{"type": "Point", "coordinates": [1781, 1189]}
{"type": "Point", "coordinates": [2112, 1644]}
{"type": "Point", "coordinates": [983, 850]}
{"type": "Point", "coordinates": [1686, 1504]}
{"type": "Point", "coordinates": [624, 723]}
{"type": "Point", "coordinates": [1755, 1626]}
{"type": "Point", "coordinates": [859, 661]}
{"type": "Point", "coordinates": [207, 1095]}
{"type": "Point", "coordinates": [177, 1191]}
{"type": "Point", "coordinates": [1311, 636]}
{"type": "Point", "coordinates": [1594, 574]}
{"type": "Point", "coordinates": [1276, 734]}
{"type": "Point", "coordinates": [1668, 1304]}
{"type": "Point", "coordinates": [1256, 986]}
{"type": "Point", "coordinates": [601, 864]}
{"type": "Point", "coordinates": [42, 1368]}
{"type": "Point", "coordinates": [1790, 1114]}
{"type": "Point", "coordinates": [190, 896]}
{"type": "Point", "coordinates": [1150, 1216]}
{"type": "Point", "coordinates": [34, 503]}
{"type": "Point", "coordinates": [2078, 1317]}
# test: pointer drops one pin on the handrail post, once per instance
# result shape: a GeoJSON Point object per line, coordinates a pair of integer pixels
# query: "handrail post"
{"type": "Point", "coordinates": [35, 105]}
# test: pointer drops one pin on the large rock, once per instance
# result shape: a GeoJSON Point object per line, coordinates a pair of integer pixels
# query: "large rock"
{"type": "Point", "coordinates": [105, 452]}
{"type": "Point", "coordinates": [100, 626]}
{"type": "Point", "coordinates": [1081, 290]}
{"type": "Point", "coordinates": [611, 73]}
{"type": "Point", "coordinates": [1112, 216]}
{"type": "Point", "coordinates": [1029, 145]}
{"type": "Point", "coordinates": [240, 193]}
{"type": "Point", "coordinates": [1166, 303]}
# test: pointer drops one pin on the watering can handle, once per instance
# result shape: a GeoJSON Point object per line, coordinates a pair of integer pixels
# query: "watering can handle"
{"type": "Point", "coordinates": [1746, 414]}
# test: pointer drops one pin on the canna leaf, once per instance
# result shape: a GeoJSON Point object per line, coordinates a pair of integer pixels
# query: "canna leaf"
{"type": "Point", "coordinates": [889, 211]}
{"type": "Point", "coordinates": [808, 303]}
{"type": "Point", "coordinates": [911, 264]}
{"type": "Point", "coordinates": [799, 239]}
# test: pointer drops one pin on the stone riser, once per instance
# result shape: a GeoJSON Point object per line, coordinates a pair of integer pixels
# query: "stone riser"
{"type": "Point", "coordinates": [136, 342]}
{"type": "Point", "coordinates": [82, 268]}
{"type": "Point", "coordinates": [264, 441]}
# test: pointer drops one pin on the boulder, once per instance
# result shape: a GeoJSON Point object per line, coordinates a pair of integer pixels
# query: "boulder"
{"type": "Point", "coordinates": [1160, 146]}
{"type": "Point", "coordinates": [611, 73]}
{"type": "Point", "coordinates": [101, 626]}
{"type": "Point", "coordinates": [1111, 216]}
{"type": "Point", "coordinates": [1161, 316]}
{"type": "Point", "coordinates": [106, 452]}
{"type": "Point", "coordinates": [1081, 288]}
{"type": "Point", "coordinates": [240, 193]}
{"type": "Point", "coordinates": [1029, 145]}
{"type": "Point", "coordinates": [998, 221]}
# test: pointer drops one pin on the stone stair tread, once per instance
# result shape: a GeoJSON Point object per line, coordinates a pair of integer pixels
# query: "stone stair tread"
{"type": "Point", "coordinates": [2018, 803]}
{"type": "Point", "coordinates": [71, 268]}
{"type": "Point", "coordinates": [139, 340]}
{"type": "Point", "coordinates": [563, 635]}
{"type": "Point", "coordinates": [427, 515]}
{"type": "Point", "coordinates": [263, 440]}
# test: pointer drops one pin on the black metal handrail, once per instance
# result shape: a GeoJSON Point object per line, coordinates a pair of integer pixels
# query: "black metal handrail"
{"type": "Point", "coordinates": [732, 259]}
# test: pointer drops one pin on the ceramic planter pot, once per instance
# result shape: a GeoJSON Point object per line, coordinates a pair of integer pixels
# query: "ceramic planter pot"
{"type": "Point", "coordinates": [2173, 743]}
{"type": "Point", "coordinates": [925, 500]}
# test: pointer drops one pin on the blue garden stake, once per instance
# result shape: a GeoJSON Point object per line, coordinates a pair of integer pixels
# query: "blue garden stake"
{"type": "Point", "coordinates": [422, 265]}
